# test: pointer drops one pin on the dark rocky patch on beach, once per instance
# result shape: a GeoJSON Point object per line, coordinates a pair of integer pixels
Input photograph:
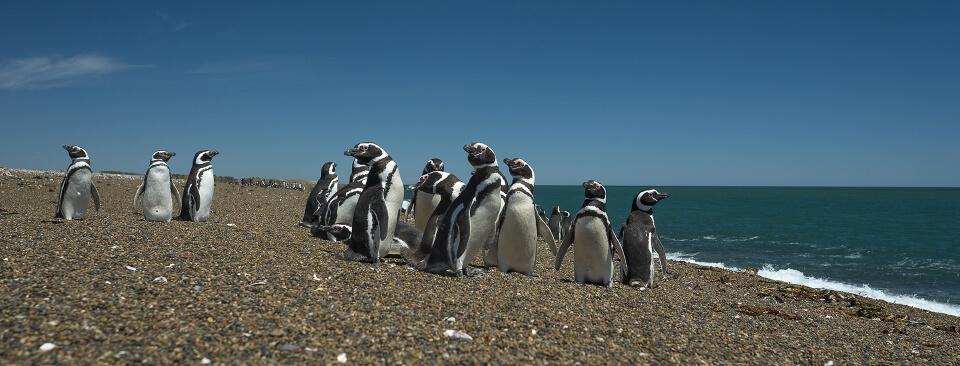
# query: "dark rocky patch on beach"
{"type": "Point", "coordinates": [251, 286]}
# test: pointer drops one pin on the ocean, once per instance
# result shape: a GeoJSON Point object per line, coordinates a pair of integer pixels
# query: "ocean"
{"type": "Point", "coordinates": [893, 244]}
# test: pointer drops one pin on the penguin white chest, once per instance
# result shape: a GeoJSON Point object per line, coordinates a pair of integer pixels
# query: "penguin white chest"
{"type": "Point", "coordinates": [157, 199]}
{"type": "Point", "coordinates": [393, 198]}
{"type": "Point", "coordinates": [592, 260]}
{"type": "Point", "coordinates": [76, 198]}
{"type": "Point", "coordinates": [517, 248]}
{"type": "Point", "coordinates": [205, 187]}
{"type": "Point", "coordinates": [423, 208]}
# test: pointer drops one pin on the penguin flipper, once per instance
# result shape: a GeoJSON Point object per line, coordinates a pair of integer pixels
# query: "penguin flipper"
{"type": "Point", "coordinates": [379, 208]}
{"type": "Point", "coordinates": [175, 193]}
{"type": "Point", "coordinates": [659, 248]}
{"type": "Point", "coordinates": [619, 249]}
{"type": "Point", "coordinates": [567, 240]}
{"type": "Point", "coordinates": [545, 232]}
{"type": "Point", "coordinates": [96, 196]}
{"type": "Point", "coordinates": [194, 201]}
{"type": "Point", "coordinates": [136, 197]}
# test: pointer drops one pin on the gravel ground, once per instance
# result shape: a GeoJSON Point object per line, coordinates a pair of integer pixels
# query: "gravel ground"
{"type": "Point", "coordinates": [251, 287]}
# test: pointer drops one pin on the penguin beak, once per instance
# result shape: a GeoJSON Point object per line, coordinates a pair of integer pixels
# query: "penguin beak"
{"type": "Point", "coordinates": [171, 154]}
{"type": "Point", "coordinates": [352, 152]}
{"type": "Point", "coordinates": [470, 149]}
{"type": "Point", "coordinates": [213, 153]}
{"type": "Point", "coordinates": [662, 196]}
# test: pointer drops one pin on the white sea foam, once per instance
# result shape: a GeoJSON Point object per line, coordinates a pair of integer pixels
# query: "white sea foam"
{"type": "Point", "coordinates": [796, 277]}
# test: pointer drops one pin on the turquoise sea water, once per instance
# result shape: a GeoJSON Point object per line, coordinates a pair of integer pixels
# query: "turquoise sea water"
{"type": "Point", "coordinates": [894, 244]}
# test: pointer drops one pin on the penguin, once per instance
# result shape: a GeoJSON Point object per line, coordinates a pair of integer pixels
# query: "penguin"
{"type": "Point", "coordinates": [490, 256]}
{"type": "Point", "coordinates": [378, 207]}
{"type": "Point", "coordinates": [556, 224]}
{"type": "Point", "coordinates": [358, 172]}
{"type": "Point", "coordinates": [77, 187]}
{"type": "Point", "coordinates": [198, 192]}
{"type": "Point", "coordinates": [406, 234]}
{"type": "Point", "coordinates": [338, 210]}
{"type": "Point", "coordinates": [543, 216]}
{"type": "Point", "coordinates": [593, 239]}
{"type": "Point", "coordinates": [517, 244]}
{"type": "Point", "coordinates": [639, 238]}
{"type": "Point", "coordinates": [335, 232]}
{"type": "Point", "coordinates": [425, 201]}
{"type": "Point", "coordinates": [441, 184]}
{"type": "Point", "coordinates": [470, 222]}
{"type": "Point", "coordinates": [157, 189]}
{"type": "Point", "coordinates": [321, 193]}
{"type": "Point", "coordinates": [565, 223]}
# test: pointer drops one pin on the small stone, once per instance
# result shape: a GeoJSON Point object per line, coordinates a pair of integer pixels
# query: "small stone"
{"type": "Point", "coordinates": [205, 361]}
{"type": "Point", "coordinates": [47, 346]}
{"type": "Point", "coordinates": [342, 358]}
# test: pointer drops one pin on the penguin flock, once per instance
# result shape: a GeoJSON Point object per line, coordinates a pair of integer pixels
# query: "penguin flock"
{"type": "Point", "coordinates": [157, 190]}
{"type": "Point", "coordinates": [456, 221]}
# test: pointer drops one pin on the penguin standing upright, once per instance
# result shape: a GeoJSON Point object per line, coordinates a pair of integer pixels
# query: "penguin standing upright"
{"type": "Point", "coordinates": [594, 240]}
{"type": "Point", "coordinates": [471, 220]}
{"type": "Point", "coordinates": [77, 187]}
{"type": "Point", "coordinates": [556, 224]}
{"type": "Point", "coordinates": [639, 237]}
{"type": "Point", "coordinates": [324, 189]}
{"type": "Point", "coordinates": [378, 207]}
{"type": "Point", "coordinates": [441, 184]}
{"type": "Point", "coordinates": [565, 224]}
{"type": "Point", "coordinates": [198, 192]}
{"type": "Point", "coordinates": [425, 202]}
{"type": "Point", "coordinates": [157, 189]}
{"type": "Point", "coordinates": [338, 210]}
{"type": "Point", "coordinates": [517, 245]}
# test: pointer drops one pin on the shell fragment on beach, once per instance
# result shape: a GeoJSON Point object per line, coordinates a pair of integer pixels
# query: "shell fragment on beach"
{"type": "Point", "coordinates": [456, 334]}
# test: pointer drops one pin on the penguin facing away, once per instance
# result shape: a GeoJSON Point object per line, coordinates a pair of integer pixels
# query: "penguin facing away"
{"type": "Point", "coordinates": [470, 222]}
{"type": "Point", "coordinates": [324, 189]}
{"type": "Point", "coordinates": [556, 224]}
{"type": "Point", "coordinates": [198, 191]}
{"type": "Point", "coordinates": [517, 244]}
{"type": "Point", "coordinates": [378, 207]}
{"type": "Point", "coordinates": [446, 186]}
{"type": "Point", "coordinates": [77, 187]}
{"type": "Point", "coordinates": [639, 237]}
{"type": "Point", "coordinates": [594, 240]}
{"type": "Point", "coordinates": [426, 202]}
{"type": "Point", "coordinates": [157, 189]}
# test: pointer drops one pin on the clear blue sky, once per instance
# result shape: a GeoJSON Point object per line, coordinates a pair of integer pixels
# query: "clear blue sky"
{"type": "Point", "coordinates": [650, 93]}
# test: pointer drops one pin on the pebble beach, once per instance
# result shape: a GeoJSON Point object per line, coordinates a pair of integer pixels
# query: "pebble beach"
{"type": "Point", "coordinates": [250, 286]}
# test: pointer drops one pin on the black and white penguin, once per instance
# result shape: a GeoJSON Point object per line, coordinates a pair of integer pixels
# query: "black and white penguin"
{"type": "Point", "coordinates": [157, 189]}
{"type": "Point", "coordinates": [556, 224]}
{"type": "Point", "coordinates": [77, 187]}
{"type": "Point", "coordinates": [565, 224]}
{"type": "Point", "coordinates": [359, 172]}
{"type": "Point", "coordinates": [446, 186]}
{"type": "Point", "coordinates": [543, 216]}
{"type": "Point", "coordinates": [517, 244]}
{"type": "Point", "coordinates": [321, 193]}
{"type": "Point", "coordinates": [198, 192]}
{"type": "Point", "coordinates": [426, 202]}
{"type": "Point", "coordinates": [639, 237]}
{"type": "Point", "coordinates": [594, 240]}
{"type": "Point", "coordinates": [378, 207]}
{"type": "Point", "coordinates": [470, 223]}
{"type": "Point", "coordinates": [335, 232]}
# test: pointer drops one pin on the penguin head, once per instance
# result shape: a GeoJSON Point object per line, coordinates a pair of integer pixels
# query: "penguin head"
{"type": "Point", "coordinates": [204, 156]}
{"type": "Point", "coordinates": [433, 165]}
{"type": "Point", "coordinates": [519, 168]}
{"type": "Point", "coordinates": [565, 213]}
{"type": "Point", "coordinates": [429, 183]}
{"type": "Point", "coordinates": [593, 189]}
{"type": "Point", "coordinates": [76, 152]}
{"type": "Point", "coordinates": [645, 200]}
{"type": "Point", "coordinates": [556, 210]}
{"type": "Point", "coordinates": [328, 169]}
{"type": "Point", "coordinates": [162, 155]}
{"type": "Point", "coordinates": [365, 152]}
{"type": "Point", "coordinates": [479, 154]}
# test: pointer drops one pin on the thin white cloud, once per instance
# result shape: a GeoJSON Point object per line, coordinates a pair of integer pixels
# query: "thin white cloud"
{"type": "Point", "coordinates": [52, 72]}
{"type": "Point", "coordinates": [175, 25]}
